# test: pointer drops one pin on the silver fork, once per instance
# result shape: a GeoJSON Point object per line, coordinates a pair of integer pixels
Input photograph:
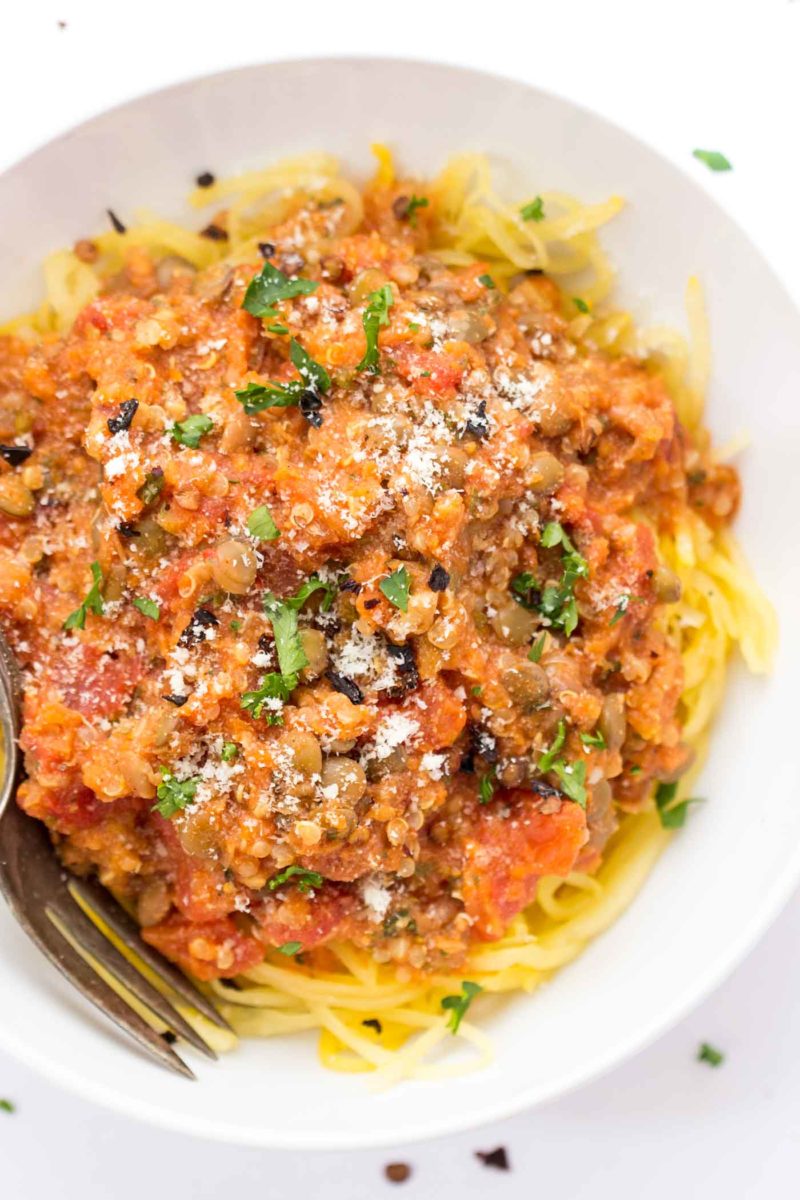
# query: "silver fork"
{"type": "Point", "coordinates": [43, 897]}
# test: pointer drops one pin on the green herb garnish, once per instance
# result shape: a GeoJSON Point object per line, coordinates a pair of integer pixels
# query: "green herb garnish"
{"type": "Point", "coordinates": [261, 525]}
{"type": "Point", "coordinates": [713, 160]}
{"type": "Point", "coordinates": [396, 587]}
{"type": "Point", "coordinates": [229, 751]}
{"type": "Point", "coordinates": [189, 432]}
{"type": "Point", "coordinates": [271, 285]}
{"type": "Point", "coordinates": [581, 305]}
{"type": "Point", "coordinates": [671, 815]}
{"type": "Point", "coordinates": [709, 1054]}
{"type": "Point", "coordinates": [550, 755]}
{"type": "Point", "coordinates": [376, 315]}
{"type": "Point", "coordinates": [487, 786]}
{"type": "Point", "coordinates": [151, 488]}
{"type": "Point", "coordinates": [556, 602]}
{"type": "Point", "coordinates": [594, 741]}
{"type": "Point", "coordinates": [533, 211]}
{"type": "Point", "coordinates": [273, 686]}
{"type": "Point", "coordinates": [622, 607]}
{"type": "Point", "coordinates": [7, 1107]}
{"type": "Point", "coordinates": [572, 777]}
{"type": "Point", "coordinates": [147, 607]}
{"type": "Point", "coordinates": [487, 282]}
{"type": "Point", "coordinates": [535, 652]}
{"type": "Point", "coordinates": [290, 948]}
{"type": "Point", "coordinates": [414, 203]}
{"type": "Point", "coordinates": [257, 397]}
{"type": "Point", "coordinates": [276, 328]}
{"type": "Point", "coordinates": [174, 794]}
{"type": "Point", "coordinates": [305, 880]}
{"type": "Point", "coordinates": [308, 588]}
{"type": "Point", "coordinates": [92, 603]}
{"type": "Point", "coordinates": [458, 1005]}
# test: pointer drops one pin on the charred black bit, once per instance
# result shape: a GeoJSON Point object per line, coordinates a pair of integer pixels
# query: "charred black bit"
{"type": "Point", "coordinates": [495, 1158]}
{"type": "Point", "coordinates": [195, 631]}
{"type": "Point", "coordinates": [169, 1037]}
{"type": "Point", "coordinates": [115, 221]}
{"type": "Point", "coordinates": [215, 232]}
{"type": "Point", "coordinates": [439, 579]}
{"type": "Point", "coordinates": [123, 420]}
{"type": "Point", "coordinates": [348, 687]}
{"type": "Point", "coordinates": [350, 585]}
{"type": "Point", "coordinates": [266, 249]}
{"type": "Point", "coordinates": [477, 422]}
{"type": "Point", "coordinates": [232, 984]}
{"type": "Point", "coordinates": [15, 455]}
{"type": "Point", "coordinates": [176, 699]}
{"type": "Point", "coordinates": [483, 743]}
{"type": "Point", "coordinates": [373, 1023]}
{"type": "Point", "coordinates": [373, 603]}
{"type": "Point", "coordinates": [403, 658]}
{"type": "Point", "coordinates": [127, 529]}
{"type": "Point", "coordinates": [544, 790]}
{"type": "Point", "coordinates": [205, 179]}
{"type": "Point", "coordinates": [265, 643]}
{"type": "Point", "coordinates": [310, 407]}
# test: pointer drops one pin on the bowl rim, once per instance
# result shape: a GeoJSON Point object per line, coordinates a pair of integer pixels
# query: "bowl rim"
{"type": "Point", "coordinates": [702, 985]}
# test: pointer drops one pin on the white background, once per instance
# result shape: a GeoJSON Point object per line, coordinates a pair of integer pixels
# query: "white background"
{"type": "Point", "coordinates": [680, 75]}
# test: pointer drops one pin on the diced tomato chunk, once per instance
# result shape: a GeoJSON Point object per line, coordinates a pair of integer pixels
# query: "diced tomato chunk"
{"type": "Point", "coordinates": [205, 949]}
{"type": "Point", "coordinates": [505, 856]}
{"type": "Point", "coordinates": [426, 371]}
{"type": "Point", "coordinates": [66, 809]}
{"type": "Point", "coordinates": [93, 683]}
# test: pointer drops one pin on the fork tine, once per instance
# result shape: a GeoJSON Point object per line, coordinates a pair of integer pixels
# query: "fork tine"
{"type": "Point", "coordinates": [65, 957]}
{"type": "Point", "coordinates": [106, 907]}
{"type": "Point", "coordinates": [93, 942]}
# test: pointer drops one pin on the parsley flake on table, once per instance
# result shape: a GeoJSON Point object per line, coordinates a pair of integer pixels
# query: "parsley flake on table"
{"type": "Point", "coordinates": [191, 430]}
{"type": "Point", "coordinates": [376, 315]}
{"type": "Point", "coordinates": [174, 794]}
{"type": "Point", "coordinates": [458, 1005]}
{"type": "Point", "coordinates": [396, 588]}
{"type": "Point", "coordinates": [709, 1054]}
{"type": "Point", "coordinates": [713, 160]}
{"type": "Point", "coordinates": [6, 1106]}
{"type": "Point", "coordinates": [271, 285]}
{"type": "Point", "coordinates": [92, 603]}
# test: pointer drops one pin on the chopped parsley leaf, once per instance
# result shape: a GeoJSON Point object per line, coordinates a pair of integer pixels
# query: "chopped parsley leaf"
{"type": "Point", "coordinates": [261, 525]}
{"type": "Point", "coordinates": [229, 751]}
{"type": "Point", "coordinates": [273, 686]}
{"type": "Point", "coordinates": [376, 315]}
{"type": "Point", "coordinates": [557, 602]}
{"type": "Point", "coordinates": [276, 328]}
{"type": "Point", "coordinates": [572, 778]}
{"type": "Point", "coordinates": [236, 625]}
{"type": "Point", "coordinates": [594, 740]}
{"type": "Point", "coordinates": [414, 327]}
{"type": "Point", "coordinates": [635, 770]}
{"type": "Point", "coordinates": [189, 432]}
{"type": "Point", "coordinates": [533, 211]}
{"type": "Point", "coordinates": [152, 486]}
{"type": "Point", "coordinates": [713, 160]}
{"type": "Point", "coordinates": [396, 587]}
{"type": "Point", "coordinates": [709, 1054]}
{"type": "Point", "coordinates": [414, 203]}
{"type": "Point", "coordinates": [314, 379]}
{"type": "Point", "coordinates": [671, 815]}
{"type": "Point", "coordinates": [458, 1005]}
{"type": "Point", "coordinates": [174, 794]}
{"type": "Point", "coordinates": [306, 880]}
{"type": "Point", "coordinates": [550, 755]}
{"type": "Point", "coordinates": [312, 584]}
{"type": "Point", "coordinates": [487, 282]}
{"type": "Point", "coordinates": [147, 607]}
{"type": "Point", "coordinates": [7, 1107]}
{"type": "Point", "coordinates": [270, 286]}
{"type": "Point", "coordinates": [289, 648]}
{"type": "Point", "coordinates": [92, 603]}
{"type": "Point", "coordinates": [477, 689]}
{"type": "Point", "coordinates": [290, 948]}
{"type": "Point", "coordinates": [622, 607]}
{"type": "Point", "coordinates": [581, 305]}
{"type": "Point", "coordinates": [487, 786]}
{"type": "Point", "coordinates": [535, 652]}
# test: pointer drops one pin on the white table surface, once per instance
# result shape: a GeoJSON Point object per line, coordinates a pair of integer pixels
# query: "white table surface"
{"type": "Point", "coordinates": [680, 74]}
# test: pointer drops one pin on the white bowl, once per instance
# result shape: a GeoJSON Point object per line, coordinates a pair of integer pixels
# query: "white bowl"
{"type": "Point", "coordinates": [725, 876]}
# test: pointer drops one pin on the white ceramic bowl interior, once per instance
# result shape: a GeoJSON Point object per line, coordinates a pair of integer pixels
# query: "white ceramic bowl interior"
{"type": "Point", "coordinates": [724, 878]}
